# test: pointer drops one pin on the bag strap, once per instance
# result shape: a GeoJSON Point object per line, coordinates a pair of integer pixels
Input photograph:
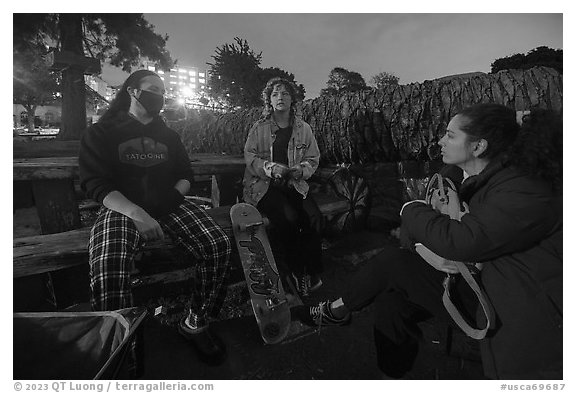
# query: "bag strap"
{"type": "Point", "coordinates": [470, 331]}
{"type": "Point", "coordinates": [464, 270]}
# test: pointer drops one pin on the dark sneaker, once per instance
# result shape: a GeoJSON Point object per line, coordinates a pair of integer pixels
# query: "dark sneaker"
{"type": "Point", "coordinates": [321, 315]}
{"type": "Point", "coordinates": [208, 346]}
{"type": "Point", "coordinates": [301, 284]}
{"type": "Point", "coordinates": [314, 282]}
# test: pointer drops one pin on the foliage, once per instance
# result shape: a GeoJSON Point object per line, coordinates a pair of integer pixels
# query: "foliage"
{"type": "Point", "coordinates": [234, 74]}
{"type": "Point", "coordinates": [383, 79]}
{"type": "Point", "coordinates": [33, 83]}
{"type": "Point", "coordinates": [121, 39]}
{"type": "Point", "coordinates": [236, 78]}
{"type": "Point", "coordinates": [541, 56]}
{"type": "Point", "coordinates": [341, 80]}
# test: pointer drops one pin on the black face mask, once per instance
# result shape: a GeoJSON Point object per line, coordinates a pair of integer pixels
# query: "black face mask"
{"type": "Point", "coordinates": [153, 103]}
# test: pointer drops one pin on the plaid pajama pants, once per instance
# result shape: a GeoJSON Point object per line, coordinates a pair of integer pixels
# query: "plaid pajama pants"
{"type": "Point", "coordinates": [115, 241]}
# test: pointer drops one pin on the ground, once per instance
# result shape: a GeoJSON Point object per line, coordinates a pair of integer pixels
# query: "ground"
{"type": "Point", "coordinates": [331, 353]}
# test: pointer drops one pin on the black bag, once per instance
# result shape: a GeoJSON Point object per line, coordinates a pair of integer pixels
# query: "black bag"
{"type": "Point", "coordinates": [442, 195]}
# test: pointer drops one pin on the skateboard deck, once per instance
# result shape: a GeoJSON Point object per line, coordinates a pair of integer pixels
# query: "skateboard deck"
{"type": "Point", "coordinates": [267, 295]}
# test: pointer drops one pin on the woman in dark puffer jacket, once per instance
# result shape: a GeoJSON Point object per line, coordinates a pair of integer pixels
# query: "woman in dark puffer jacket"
{"type": "Point", "coordinates": [510, 178]}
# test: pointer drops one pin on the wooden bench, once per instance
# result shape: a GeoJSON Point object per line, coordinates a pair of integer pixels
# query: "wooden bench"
{"type": "Point", "coordinates": [342, 197]}
{"type": "Point", "coordinates": [52, 184]}
{"type": "Point", "coordinates": [48, 253]}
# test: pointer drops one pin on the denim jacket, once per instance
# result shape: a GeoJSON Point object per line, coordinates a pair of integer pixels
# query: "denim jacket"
{"type": "Point", "coordinates": [302, 149]}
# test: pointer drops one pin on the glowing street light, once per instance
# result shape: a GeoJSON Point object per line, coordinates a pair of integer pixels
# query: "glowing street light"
{"type": "Point", "coordinates": [187, 91]}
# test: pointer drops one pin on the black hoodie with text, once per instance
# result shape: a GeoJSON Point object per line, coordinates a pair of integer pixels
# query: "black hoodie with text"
{"type": "Point", "coordinates": [142, 161]}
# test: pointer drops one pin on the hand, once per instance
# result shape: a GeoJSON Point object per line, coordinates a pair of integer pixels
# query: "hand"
{"type": "Point", "coordinates": [466, 209]}
{"type": "Point", "coordinates": [296, 172]}
{"type": "Point", "coordinates": [147, 226]}
{"type": "Point", "coordinates": [278, 171]}
{"type": "Point", "coordinates": [436, 261]}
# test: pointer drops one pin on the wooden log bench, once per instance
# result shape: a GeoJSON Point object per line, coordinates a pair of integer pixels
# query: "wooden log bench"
{"type": "Point", "coordinates": [48, 253]}
{"type": "Point", "coordinates": [343, 199]}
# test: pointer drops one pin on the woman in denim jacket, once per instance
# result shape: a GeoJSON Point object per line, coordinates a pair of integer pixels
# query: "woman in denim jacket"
{"type": "Point", "coordinates": [281, 153]}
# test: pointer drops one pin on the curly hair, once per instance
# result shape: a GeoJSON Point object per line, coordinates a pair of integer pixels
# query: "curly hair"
{"type": "Point", "coordinates": [267, 91]}
{"type": "Point", "coordinates": [537, 150]}
{"type": "Point", "coordinates": [492, 122]}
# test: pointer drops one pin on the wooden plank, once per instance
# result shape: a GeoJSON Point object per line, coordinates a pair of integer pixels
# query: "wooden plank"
{"type": "Point", "coordinates": [45, 253]}
{"type": "Point", "coordinates": [47, 168]}
{"type": "Point", "coordinates": [67, 167]}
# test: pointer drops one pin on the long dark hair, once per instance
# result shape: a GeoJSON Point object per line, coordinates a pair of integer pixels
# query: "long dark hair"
{"type": "Point", "coordinates": [537, 150]}
{"type": "Point", "coordinates": [267, 91]}
{"type": "Point", "coordinates": [121, 102]}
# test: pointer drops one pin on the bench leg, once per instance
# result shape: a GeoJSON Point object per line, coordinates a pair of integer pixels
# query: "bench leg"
{"type": "Point", "coordinates": [223, 190]}
{"type": "Point", "coordinates": [56, 204]}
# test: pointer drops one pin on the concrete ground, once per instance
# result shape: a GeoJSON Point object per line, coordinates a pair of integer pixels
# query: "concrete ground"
{"type": "Point", "coordinates": [333, 353]}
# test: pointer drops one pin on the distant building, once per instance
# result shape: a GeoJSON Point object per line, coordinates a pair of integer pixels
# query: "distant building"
{"type": "Point", "coordinates": [45, 116]}
{"type": "Point", "coordinates": [185, 82]}
{"type": "Point", "coordinates": [101, 87]}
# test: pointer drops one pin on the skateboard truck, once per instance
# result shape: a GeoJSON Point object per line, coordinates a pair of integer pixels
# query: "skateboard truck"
{"type": "Point", "coordinates": [274, 302]}
{"type": "Point", "coordinates": [243, 227]}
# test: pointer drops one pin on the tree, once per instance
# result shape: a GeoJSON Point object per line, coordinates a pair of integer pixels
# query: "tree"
{"type": "Point", "coordinates": [33, 83]}
{"type": "Point", "coordinates": [234, 74]}
{"type": "Point", "coordinates": [541, 56]}
{"type": "Point", "coordinates": [341, 80]}
{"type": "Point", "coordinates": [383, 79]}
{"type": "Point", "coordinates": [236, 77]}
{"type": "Point", "coordinates": [122, 39]}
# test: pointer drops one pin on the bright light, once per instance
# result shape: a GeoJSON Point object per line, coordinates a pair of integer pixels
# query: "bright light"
{"type": "Point", "coordinates": [186, 91]}
{"type": "Point", "coordinates": [181, 101]}
{"type": "Point", "coordinates": [201, 75]}
{"type": "Point", "coordinates": [160, 72]}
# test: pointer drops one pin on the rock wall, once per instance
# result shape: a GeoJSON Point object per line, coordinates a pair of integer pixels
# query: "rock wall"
{"type": "Point", "coordinates": [389, 125]}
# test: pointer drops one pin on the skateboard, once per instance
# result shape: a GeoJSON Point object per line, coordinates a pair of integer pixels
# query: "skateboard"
{"type": "Point", "coordinates": [267, 295]}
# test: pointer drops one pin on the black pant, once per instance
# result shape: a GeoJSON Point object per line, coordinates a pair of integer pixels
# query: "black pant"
{"type": "Point", "coordinates": [290, 216]}
{"type": "Point", "coordinates": [404, 290]}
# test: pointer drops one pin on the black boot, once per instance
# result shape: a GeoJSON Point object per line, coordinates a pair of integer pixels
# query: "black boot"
{"type": "Point", "coordinates": [395, 360]}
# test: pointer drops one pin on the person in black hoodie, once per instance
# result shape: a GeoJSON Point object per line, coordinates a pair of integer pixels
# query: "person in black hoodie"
{"type": "Point", "coordinates": [138, 169]}
{"type": "Point", "coordinates": [510, 178]}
